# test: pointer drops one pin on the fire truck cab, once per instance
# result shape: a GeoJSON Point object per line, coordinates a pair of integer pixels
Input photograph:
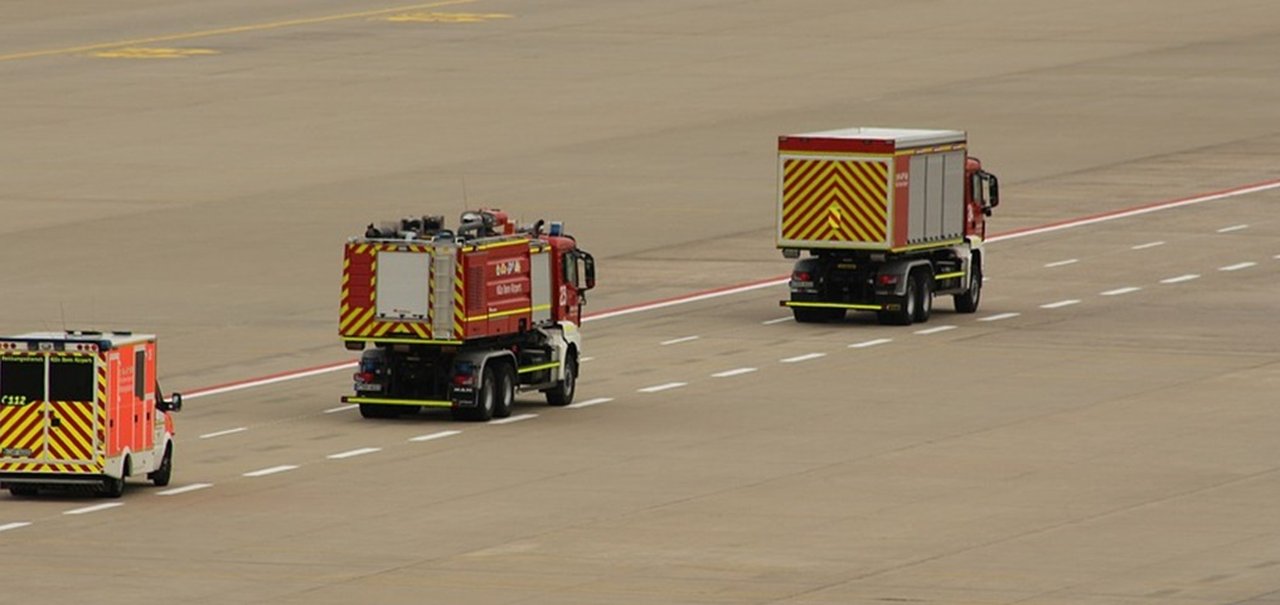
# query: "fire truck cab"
{"type": "Point", "coordinates": [82, 410]}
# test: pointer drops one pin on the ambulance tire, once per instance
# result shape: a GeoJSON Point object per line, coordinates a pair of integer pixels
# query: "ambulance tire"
{"type": "Point", "coordinates": [378, 410]}
{"type": "Point", "coordinates": [161, 476]}
{"type": "Point", "coordinates": [906, 308]}
{"type": "Point", "coordinates": [113, 487]}
{"type": "Point", "coordinates": [968, 302]}
{"type": "Point", "coordinates": [562, 393]}
{"type": "Point", "coordinates": [21, 490]}
{"type": "Point", "coordinates": [924, 293]}
{"type": "Point", "coordinates": [505, 398]}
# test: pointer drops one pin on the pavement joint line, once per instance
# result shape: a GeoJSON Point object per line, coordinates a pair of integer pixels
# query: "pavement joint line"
{"type": "Point", "coordinates": [1147, 245]}
{"type": "Point", "coordinates": [590, 402]}
{"type": "Point", "coordinates": [239, 429]}
{"type": "Point", "coordinates": [1179, 279]}
{"type": "Point", "coordinates": [779, 320]}
{"type": "Point", "coordinates": [93, 509]}
{"type": "Point", "coordinates": [1000, 316]}
{"type": "Point", "coordinates": [434, 436]}
{"type": "Point", "coordinates": [14, 525]}
{"type": "Point", "coordinates": [1233, 228]}
{"type": "Point", "coordinates": [775, 281]}
{"type": "Point", "coordinates": [342, 408]}
{"type": "Point", "coordinates": [800, 358]}
{"type": "Point", "coordinates": [1061, 303]}
{"type": "Point", "coordinates": [1238, 266]}
{"type": "Point", "coordinates": [511, 419]}
{"type": "Point", "coordinates": [1119, 291]}
{"type": "Point", "coordinates": [271, 470]}
{"type": "Point", "coordinates": [228, 30]}
{"type": "Point", "coordinates": [733, 372]}
{"type": "Point", "coordinates": [184, 489]}
{"type": "Point", "coordinates": [676, 341]}
{"type": "Point", "coordinates": [662, 387]}
{"type": "Point", "coordinates": [1062, 263]}
{"type": "Point", "coordinates": [353, 453]}
{"type": "Point", "coordinates": [929, 331]}
{"type": "Point", "coordinates": [870, 343]}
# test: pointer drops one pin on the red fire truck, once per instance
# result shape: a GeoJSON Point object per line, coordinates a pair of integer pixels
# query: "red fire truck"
{"type": "Point", "coordinates": [82, 409]}
{"type": "Point", "coordinates": [889, 217]}
{"type": "Point", "coordinates": [463, 319]}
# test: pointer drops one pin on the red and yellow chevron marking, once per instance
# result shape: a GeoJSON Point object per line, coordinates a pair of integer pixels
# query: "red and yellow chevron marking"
{"type": "Point", "coordinates": [101, 414]}
{"type": "Point", "coordinates": [22, 428]}
{"type": "Point", "coordinates": [359, 318]}
{"type": "Point", "coordinates": [72, 439]}
{"type": "Point", "coordinates": [459, 302]}
{"type": "Point", "coordinates": [834, 200]}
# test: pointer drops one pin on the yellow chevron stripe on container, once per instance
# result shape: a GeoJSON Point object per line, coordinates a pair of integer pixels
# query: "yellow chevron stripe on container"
{"type": "Point", "coordinates": [834, 200]}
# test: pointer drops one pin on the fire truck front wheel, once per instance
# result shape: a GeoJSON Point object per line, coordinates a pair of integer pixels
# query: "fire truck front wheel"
{"type": "Point", "coordinates": [562, 393]}
{"type": "Point", "coordinates": [161, 476]}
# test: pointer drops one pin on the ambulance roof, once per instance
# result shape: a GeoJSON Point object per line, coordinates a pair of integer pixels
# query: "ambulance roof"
{"type": "Point", "coordinates": [903, 137]}
{"type": "Point", "coordinates": [114, 339]}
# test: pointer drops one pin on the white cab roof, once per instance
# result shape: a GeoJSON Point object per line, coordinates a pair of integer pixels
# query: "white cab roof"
{"type": "Point", "coordinates": [903, 137]}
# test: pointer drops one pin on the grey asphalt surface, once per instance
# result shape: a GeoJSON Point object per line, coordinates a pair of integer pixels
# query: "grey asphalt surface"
{"type": "Point", "coordinates": [192, 168]}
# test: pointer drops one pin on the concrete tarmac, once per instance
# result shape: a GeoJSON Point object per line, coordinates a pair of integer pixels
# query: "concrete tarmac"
{"type": "Point", "coordinates": [1102, 431]}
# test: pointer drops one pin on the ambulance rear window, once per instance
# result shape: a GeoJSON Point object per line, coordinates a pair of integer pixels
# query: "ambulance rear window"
{"type": "Point", "coordinates": [71, 378]}
{"type": "Point", "coordinates": [21, 379]}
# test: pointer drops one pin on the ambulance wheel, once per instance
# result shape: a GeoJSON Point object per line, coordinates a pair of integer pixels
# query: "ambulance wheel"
{"type": "Point", "coordinates": [906, 308]}
{"type": "Point", "coordinates": [378, 410]}
{"type": "Point", "coordinates": [924, 292]}
{"type": "Point", "coordinates": [113, 487]}
{"type": "Point", "coordinates": [968, 302]}
{"type": "Point", "coordinates": [160, 477]}
{"type": "Point", "coordinates": [506, 396]}
{"type": "Point", "coordinates": [23, 491]}
{"type": "Point", "coordinates": [562, 393]}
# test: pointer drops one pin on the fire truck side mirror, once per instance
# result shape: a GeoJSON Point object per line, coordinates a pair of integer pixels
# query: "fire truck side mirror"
{"type": "Point", "coordinates": [589, 269]}
{"type": "Point", "coordinates": [174, 404]}
{"type": "Point", "coordinates": [994, 190]}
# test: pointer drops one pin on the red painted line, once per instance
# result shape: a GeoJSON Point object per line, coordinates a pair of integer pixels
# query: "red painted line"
{"type": "Point", "coordinates": [781, 279]}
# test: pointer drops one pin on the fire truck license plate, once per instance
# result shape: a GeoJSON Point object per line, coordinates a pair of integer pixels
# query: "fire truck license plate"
{"type": "Point", "coordinates": [362, 386]}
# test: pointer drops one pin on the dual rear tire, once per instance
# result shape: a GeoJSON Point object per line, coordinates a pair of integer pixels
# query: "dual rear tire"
{"type": "Point", "coordinates": [916, 304]}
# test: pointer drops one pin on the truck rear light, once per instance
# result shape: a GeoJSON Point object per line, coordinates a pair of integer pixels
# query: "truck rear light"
{"type": "Point", "coordinates": [365, 377]}
{"type": "Point", "coordinates": [887, 280]}
{"type": "Point", "coordinates": [464, 375]}
{"type": "Point", "coordinates": [801, 276]}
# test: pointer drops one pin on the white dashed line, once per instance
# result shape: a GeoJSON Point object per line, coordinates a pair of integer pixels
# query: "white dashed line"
{"type": "Point", "coordinates": [1232, 228]}
{"type": "Point", "coordinates": [870, 343]}
{"type": "Point", "coordinates": [434, 436]}
{"type": "Point", "coordinates": [342, 408]}
{"type": "Point", "coordinates": [271, 471]}
{"type": "Point", "coordinates": [935, 330]}
{"type": "Point", "coordinates": [14, 525]}
{"type": "Point", "coordinates": [516, 418]}
{"type": "Point", "coordinates": [1119, 291]}
{"type": "Point", "coordinates": [1146, 245]}
{"type": "Point", "coordinates": [778, 320]}
{"type": "Point", "coordinates": [590, 402]}
{"type": "Point", "coordinates": [734, 372]}
{"type": "Point", "coordinates": [238, 429]}
{"type": "Point", "coordinates": [1063, 263]}
{"type": "Point", "coordinates": [93, 509]}
{"type": "Point", "coordinates": [353, 453]}
{"type": "Point", "coordinates": [1179, 279]}
{"type": "Point", "coordinates": [662, 387]}
{"type": "Point", "coordinates": [1238, 266]}
{"type": "Point", "coordinates": [805, 357]}
{"type": "Point", "coordinates": [184, 489]}
{"type": "Point", "coordinates": [676, 341]}
{"type": "Point", "coordinates": [1060, 304]}
{"type": "Point", "coordinates": [1000, 316]}
{"type": "Point", "coordinates": [586, 359]}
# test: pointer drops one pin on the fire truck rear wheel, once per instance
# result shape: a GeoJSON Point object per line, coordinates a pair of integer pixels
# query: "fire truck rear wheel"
{"type": "Point", "coordinates": [562, 393]}
{"type": "Point", "coordinates": [161, 476]}
{"type": "Point", "coordinates": [924, 290]}
{"type": "Point", "coordinates": [906, 307]}
{"type": "Point", "coordinates": [506, 395]}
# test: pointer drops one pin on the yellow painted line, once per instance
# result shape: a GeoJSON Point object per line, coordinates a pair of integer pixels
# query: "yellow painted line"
{"type": "Point", "coordinates": [539, 368]}
{"type": "Point", "coordinates": [818, 305]}
{"type": "Point", "coordinates": [445, 17]}
{"type": "Point", "coordinates": [240, 29]}
{"type": "Point", "coordinates": [133, 52]}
